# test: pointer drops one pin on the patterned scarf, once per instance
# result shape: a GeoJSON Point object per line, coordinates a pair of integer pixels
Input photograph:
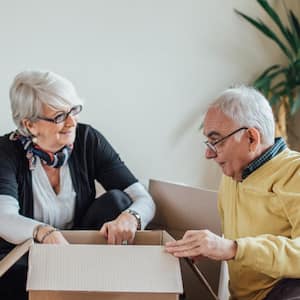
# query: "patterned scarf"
{"type": "Point", "coordinates": [55, 160]}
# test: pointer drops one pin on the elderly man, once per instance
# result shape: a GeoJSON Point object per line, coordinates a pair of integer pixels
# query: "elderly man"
{"type": "Point", "coordinates": [259, 200]}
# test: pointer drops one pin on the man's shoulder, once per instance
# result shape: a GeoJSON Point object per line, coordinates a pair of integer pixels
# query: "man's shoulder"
{"type": "Point", "coordinates": [286, 159]}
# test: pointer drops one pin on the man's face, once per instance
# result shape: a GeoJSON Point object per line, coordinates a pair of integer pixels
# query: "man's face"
{"type": "Point", "coordinates": [233, 153]}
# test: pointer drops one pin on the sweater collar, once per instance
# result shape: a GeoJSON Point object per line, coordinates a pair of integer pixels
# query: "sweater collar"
{"type": "Point", "coordinates": [279, 146]}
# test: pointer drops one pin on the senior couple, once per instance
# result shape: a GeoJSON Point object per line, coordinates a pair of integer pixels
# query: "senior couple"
{"type": "Point", "coordinates": [49, 164]}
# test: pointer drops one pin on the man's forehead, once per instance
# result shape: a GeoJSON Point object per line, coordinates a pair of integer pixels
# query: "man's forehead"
{"type": "Point", "coordinates": [216, 123]}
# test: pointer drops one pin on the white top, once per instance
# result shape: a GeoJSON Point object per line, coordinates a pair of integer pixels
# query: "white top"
{"type": "Point", "coordinates": [57, 209]}
{"type": "Point", "coordinates": [49, 207]}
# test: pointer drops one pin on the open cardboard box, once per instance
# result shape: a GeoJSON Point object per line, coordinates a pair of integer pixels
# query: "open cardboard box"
{"type": "Point", "coordinates": [180, 208]}
{"type": "Point", "coordinates": [90, 269]}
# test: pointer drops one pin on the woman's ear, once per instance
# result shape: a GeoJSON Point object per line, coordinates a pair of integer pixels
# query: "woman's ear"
{"type": "Point", "coordinates": [29, 125]}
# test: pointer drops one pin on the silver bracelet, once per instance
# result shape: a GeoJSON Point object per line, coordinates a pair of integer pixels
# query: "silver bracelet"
{"type": "Point", "coordinates": [47, 234]}
{"type": "Point", "coordinates": [36, 231]}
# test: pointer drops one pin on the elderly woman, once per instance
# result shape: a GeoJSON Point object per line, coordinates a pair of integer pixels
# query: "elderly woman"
{"type": "Point", "coordinates": [48, 169]}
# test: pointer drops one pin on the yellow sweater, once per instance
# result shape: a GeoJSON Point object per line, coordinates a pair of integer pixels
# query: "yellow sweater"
{"type": "Point", "coordinates": [262, 214]}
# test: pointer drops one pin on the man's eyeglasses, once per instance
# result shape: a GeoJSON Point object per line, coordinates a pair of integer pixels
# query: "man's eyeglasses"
{"type": "Point", "coordinates": [213, 145]}
{"type": "Point", "coordinates": [61, 117]}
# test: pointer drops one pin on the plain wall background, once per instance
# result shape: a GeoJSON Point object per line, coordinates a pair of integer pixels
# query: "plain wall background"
{"type": "Point", "coordinates": [147, 70]}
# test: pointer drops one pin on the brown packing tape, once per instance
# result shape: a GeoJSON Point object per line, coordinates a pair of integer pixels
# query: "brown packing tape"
{"type": "Point", "coordinates": [14, 255]}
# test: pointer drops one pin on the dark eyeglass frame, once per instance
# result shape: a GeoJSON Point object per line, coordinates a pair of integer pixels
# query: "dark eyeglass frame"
{"type": "Point", "coordinates": [212, 146]}
{"type": "Point", "coordinates": [75, 110]}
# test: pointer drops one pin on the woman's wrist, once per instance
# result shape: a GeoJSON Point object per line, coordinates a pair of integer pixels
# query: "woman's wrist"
{"type": "Point", "coordinates": [36, 231]}
{"type": "Point", "coordinates": [43, 232]}
{"type": "Point", "coordinates": [50, 231]}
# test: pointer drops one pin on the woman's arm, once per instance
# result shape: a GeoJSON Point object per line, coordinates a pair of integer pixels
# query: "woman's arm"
{"type": "Point", "coordinates": [142, 203]}
{"type": "Point", "coordinates": [14, 227]}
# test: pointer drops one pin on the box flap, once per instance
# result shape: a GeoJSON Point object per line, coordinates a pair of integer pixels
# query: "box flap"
{"type": "Point", "coordinates": [143, 237]}
{"type": "Point", "coordinates": [180, 207]}
{"type": "Point", "coordinates": [14, 255]}
{"type": "Point", "coordinates": [103, 268]}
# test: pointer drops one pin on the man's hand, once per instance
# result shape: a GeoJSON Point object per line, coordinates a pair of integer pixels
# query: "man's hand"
{"type": "Point", "coordinates": [121, 229]}
{"type": "Point", "coordinates": [198, 243]}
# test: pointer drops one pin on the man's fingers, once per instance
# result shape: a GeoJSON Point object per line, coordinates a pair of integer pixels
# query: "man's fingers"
{"type": "Point", "coordinates": [190, 241]}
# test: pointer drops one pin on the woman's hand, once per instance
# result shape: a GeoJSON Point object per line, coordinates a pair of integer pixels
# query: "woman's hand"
{"type": "Point", "coordinates": [55, 237]}
{"type": "Point", "coordinates": [120, 230]}
{"type": "Point", "coordinates": [198, 243]}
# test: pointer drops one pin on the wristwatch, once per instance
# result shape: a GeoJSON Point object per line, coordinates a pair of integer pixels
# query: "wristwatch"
{"type": "Point", "coordinates": [137, 216]}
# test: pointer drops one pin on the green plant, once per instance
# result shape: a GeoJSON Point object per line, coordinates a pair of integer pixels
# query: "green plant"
{"type": "Point", "coordinates": [280, 84]}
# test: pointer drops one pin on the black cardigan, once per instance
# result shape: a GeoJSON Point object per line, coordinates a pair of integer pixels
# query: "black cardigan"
{"type": "Point", "coordinates": [92, 158]}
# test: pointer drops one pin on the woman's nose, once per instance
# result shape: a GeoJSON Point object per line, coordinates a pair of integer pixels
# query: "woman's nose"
{"type": "Point", "coordinates": [71, 120]}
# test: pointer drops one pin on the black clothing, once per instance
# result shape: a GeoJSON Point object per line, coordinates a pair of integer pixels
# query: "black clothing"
{"type": "Point", "coordinates": [92, 158]}
{"type": "Point", "coordinates": [285, 289]}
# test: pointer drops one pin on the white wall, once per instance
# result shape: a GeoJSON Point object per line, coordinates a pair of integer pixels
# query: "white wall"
{"type": "Point", "coordinates": [146, 69]}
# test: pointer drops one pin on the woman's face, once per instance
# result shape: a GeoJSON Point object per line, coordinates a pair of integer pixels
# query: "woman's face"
{"type": "Point", "coordinates": [52, 136]}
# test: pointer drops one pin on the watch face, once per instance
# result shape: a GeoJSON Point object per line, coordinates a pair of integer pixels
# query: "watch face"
{"type": "Point", "coordinates": [137, 216]}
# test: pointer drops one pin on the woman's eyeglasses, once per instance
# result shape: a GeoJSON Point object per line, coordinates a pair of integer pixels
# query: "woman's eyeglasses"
{"type": "Point", "coordinates": [61, 117]}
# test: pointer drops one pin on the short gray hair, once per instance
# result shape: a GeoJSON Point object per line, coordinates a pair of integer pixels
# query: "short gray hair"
{"type": "Point", "coordinates": [248, 107]}
{"type": "Point", "coordinates": [31, 89]}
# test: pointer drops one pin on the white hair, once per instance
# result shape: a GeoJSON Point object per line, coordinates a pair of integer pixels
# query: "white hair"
{"type": "Point", "coordinates": [31, 89]}
{"type": "Point", "coordinates": [248, 107]}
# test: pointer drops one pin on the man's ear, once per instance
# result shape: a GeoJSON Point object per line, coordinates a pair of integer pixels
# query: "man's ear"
{"type": "Point", "coordinates": [253, 138]}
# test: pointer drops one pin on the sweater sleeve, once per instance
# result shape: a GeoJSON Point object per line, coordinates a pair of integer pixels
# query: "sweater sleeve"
{"type": "Point", "coordinates": [220, 204]}
{"type": "Point", "coordinates": [142, 202]}
{"type": "Point", "coordinates": [274, 255]}
{"type": "Point", "coordinates": [14, 228]}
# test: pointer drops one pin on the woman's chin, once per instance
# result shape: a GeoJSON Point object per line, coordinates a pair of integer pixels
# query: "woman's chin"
{"type": "Point", "coordinates": [67, 139]}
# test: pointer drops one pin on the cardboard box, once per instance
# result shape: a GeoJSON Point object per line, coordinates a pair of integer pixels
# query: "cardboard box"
{"type": "Point", "coordinates": [180, 208]}
{"type": "Point", "coordinates": [89, 269]}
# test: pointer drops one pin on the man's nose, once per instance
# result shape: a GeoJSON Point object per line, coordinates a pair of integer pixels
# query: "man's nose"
{"type": "Point", "coordinates": [210, 154]}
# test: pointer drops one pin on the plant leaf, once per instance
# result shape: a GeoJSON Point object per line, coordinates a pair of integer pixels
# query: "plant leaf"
{"type": "Point", "coordinates": [275, 17]}
{"type": "Point", "coordinates": [295, 23]}
{"type": "Point", "coordinates": [296, 104]}
{"type": "Point", "coordinates": [295, 26]}
{"type": "Point", "coordinates": [266, 71]}
{"type": "Point", "coordinates": [267, 32]}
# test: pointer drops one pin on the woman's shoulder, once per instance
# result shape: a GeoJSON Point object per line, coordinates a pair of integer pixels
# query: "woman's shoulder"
{"type": "Point", "coordinates": [6, 143]}
{"type": "Point", "coordinates": [86, 132]}
{"type": "Point", "coordinates": [10, 149]}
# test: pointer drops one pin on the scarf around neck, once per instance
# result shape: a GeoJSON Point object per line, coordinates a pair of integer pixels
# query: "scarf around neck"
{"type": "Point", "coordinates": [55, 160]}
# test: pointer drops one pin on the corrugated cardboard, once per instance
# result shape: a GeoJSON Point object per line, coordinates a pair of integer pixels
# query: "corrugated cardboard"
{"type": "Point", "coordinates": [180, 208]}
{"type": "Point", "coordinates": [90, 269]}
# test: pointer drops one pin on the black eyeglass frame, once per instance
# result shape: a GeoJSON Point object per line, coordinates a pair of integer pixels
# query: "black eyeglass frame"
{"type": "Point", "coordinates": [212, 146]}
{"type": "Point", "coordinates": [75, 110]}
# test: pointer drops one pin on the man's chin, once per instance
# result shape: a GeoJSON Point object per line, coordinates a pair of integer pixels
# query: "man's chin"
{"type": "Point", "coordinates": [227, 173]}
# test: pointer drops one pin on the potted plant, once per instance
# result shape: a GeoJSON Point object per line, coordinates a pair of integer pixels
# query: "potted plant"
{"type": "Point", "coordinates": [280, 83]}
